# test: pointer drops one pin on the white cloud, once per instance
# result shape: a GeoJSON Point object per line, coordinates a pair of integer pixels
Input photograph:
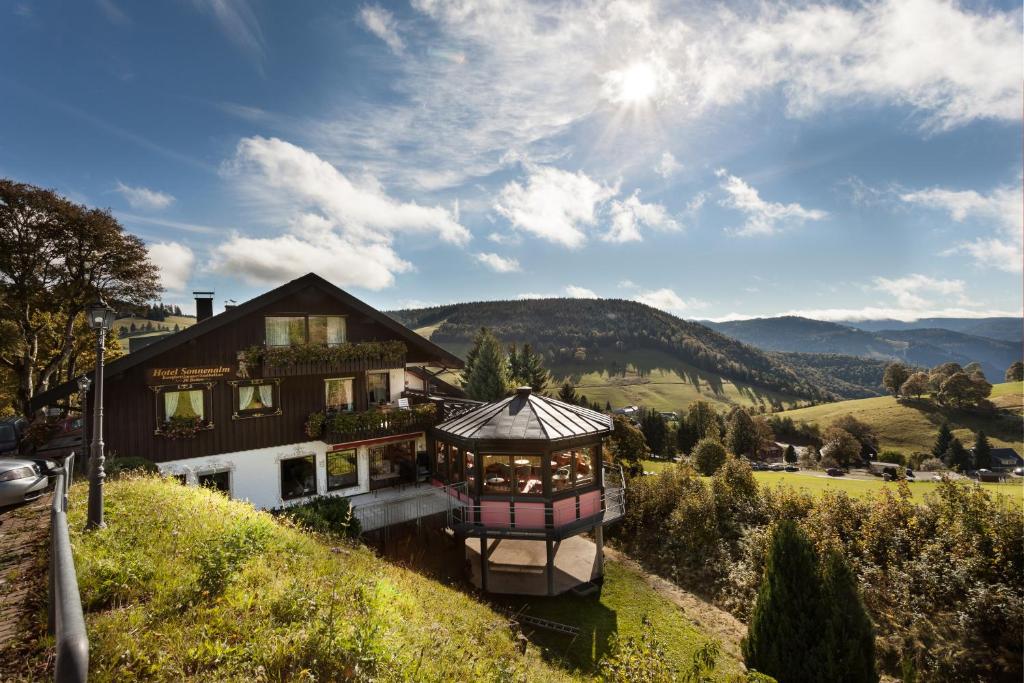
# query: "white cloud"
{"type": "Point", "coordinates": [948, 63]}
{"type": "Point", "coordinates": [763, 217]}
{"type": "Point", "coordinates": [575, 292]}
{"type": "Point", "coordinates": [343, 230]}
{"type": "Point", "coordinates": [143, 198]}
{"type": "Point", "coordinates": [628, 284]}
{"type": "Point", "coordinates": [381, 23]}
{"type": "Point", "coordinates": [1002, 208]}
{"type": "Point", "coordinates": [909, 291]}
{"type": "Point", "coordinates": [667, 300]}
{"type": "Point", "coordinates": [499, 264]}
{"type": "Point", "coordinates": [554, 205]}
{"type": "Point", "coordinates": [667, 166]}
{"type": "Point", "coordinates": [175, 262]}
{"type": "Point", "coordinates": [628, 215]}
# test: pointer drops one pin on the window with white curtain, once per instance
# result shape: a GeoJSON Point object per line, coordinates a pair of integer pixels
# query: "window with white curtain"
{"type": "Point", "coordinates": [184, 405]}
{"type": "Point", "coordinates": [256, 399]}
{"type": "Point", "coordinates": [286, 330]}
{"type": "Point", "coordinates": [327, 329]}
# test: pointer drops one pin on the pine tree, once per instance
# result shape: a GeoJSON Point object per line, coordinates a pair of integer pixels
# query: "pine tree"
{"type": "Point", "coordinates": [848, 638]}
{"type": "Point", "coordinates": [534, 372]}
{"type": "Point", "coordinates": [956, 456]}
{"type": "Point", "coordinates": [982, 452]}
{"type": "Point", "coordinates": [487, 379]}
{"type": "Point", "coordinates": [515, 370]}
{"type": "Point", "coordinates": [790, 454]}
{"type": "Point", "coordinates": [652, 424]}
{"type": "Point", "coordinates": [942, 441]}
{"type": "Point", "coordinates": [567, 394]}
{"type": "Point", "coordinates": [785, 633]}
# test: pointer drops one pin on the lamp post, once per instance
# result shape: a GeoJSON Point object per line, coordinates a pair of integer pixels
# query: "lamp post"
{"type": "Point", "coordinates": [101, 318]}
{"type": "Point", "coordinates": [83, 406]}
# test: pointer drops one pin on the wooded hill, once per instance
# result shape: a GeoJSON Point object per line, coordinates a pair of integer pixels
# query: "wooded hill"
{"type": "Point", "coordinates": [596, 332]}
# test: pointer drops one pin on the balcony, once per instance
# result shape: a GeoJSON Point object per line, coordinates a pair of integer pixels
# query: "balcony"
{"type": "Point", "coordinates": [341, 427]}
{"type": "Point", "coordinates": [319, 359]}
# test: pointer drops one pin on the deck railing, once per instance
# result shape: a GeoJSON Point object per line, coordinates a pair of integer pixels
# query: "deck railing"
{"type": "Point", "coordinates": [65, 619]}
{"type": "Point", "coordinates": [528, 519]}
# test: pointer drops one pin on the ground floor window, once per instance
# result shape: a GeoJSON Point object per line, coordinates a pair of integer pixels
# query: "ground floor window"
{"type": "Point", "coordinates": [221, 481]}
{"type": "Point", "coordinates": [392, 464]}
{"type": "Point", "coordinates": [298, 477]}
{"type": "Point", "coordinates": [342, 469]}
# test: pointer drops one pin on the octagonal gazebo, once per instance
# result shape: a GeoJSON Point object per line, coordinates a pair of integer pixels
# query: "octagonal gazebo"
{"type": "Point", "coordinates": [528, 472]}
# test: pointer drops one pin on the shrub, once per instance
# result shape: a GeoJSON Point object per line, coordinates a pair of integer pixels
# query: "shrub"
{"type": "Point", "coordinates": [708, 455]}
{"type": "Point", "coordinates": [116, 466]}
{"type": "Point", "coordinates": [931, 465]}
{"type": "Point", "coordinates": [326, 515]}
{"type": "Point", "coordinates": [895, 457]}
{"type": "Point", "coordinates": [637, 660]}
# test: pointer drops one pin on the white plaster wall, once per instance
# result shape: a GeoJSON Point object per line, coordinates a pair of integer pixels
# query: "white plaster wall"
{"type": "Point", "coordinates": [256, 474]}
{"type": "Point", "coordinates": [396, 383]}
{"type": "Point", "coordinates": [413, 382]}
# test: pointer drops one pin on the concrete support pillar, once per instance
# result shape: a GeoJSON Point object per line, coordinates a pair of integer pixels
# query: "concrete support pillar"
{"type": "Point", "coordinates": [483, 561]}
{"type": "Point", "coordinates": [599, 542]}
{"type": "Point", "coordinates": [549, 568]}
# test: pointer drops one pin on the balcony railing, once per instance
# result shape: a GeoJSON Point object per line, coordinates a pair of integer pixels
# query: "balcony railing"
{"type": "Point", "coordinates": [339, 427]}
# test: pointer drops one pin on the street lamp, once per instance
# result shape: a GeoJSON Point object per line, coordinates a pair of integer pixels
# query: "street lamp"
{"type": "Point", "coordinates": [101, 318]}
{"type": "Point", "coordinates": [83, 410]}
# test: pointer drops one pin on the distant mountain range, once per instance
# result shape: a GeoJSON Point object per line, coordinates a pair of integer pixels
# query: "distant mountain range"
{"type": "Point", "coordinates": [922, 346]}
{"type": "Point", "coordinates": [1005, 329]}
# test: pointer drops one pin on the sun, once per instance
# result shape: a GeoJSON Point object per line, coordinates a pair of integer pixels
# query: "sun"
{"type": "Point", "coordinates": [634, 85]}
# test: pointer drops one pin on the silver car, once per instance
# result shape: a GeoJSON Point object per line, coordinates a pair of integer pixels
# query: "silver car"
{"type": "Point", "coordinates": [20, 481]}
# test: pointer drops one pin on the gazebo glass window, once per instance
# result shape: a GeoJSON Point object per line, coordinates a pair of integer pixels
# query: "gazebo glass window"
{"type": "Point", "coordinates": [470, 471]}
{"type": "Point", "coordinates": [441, 460]}
{"type": "Point", "coordinates": [497, 474]}
{"type": "Point", "coordinates": [529, 481]}
{"type": "Point", "coordinates": [455, 459]}
{"type": "Point", "coordinates": [583, 467]}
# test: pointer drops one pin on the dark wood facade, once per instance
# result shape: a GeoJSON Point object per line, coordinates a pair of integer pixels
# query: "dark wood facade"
{"type": "Point", "coordinates": [132, 410]}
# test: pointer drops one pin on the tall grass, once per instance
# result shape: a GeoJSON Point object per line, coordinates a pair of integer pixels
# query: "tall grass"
{"type": "Point", "coordinates": [184, 584]}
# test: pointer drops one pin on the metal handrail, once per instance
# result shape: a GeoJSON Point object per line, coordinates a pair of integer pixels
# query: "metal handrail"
{"type": "Point", "coordinates": [66, 621]}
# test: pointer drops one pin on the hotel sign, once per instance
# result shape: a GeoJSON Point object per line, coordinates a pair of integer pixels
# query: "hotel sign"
{"type": "Point", "coordinates": [186, 375]}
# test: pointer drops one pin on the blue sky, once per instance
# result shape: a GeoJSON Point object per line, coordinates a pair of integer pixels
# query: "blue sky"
{"type": "Point", "coordinates": [839, 161]}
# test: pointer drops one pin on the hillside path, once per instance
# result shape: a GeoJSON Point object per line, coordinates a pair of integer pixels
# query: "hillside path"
{"type": "Point", "coordinates": [702, 614]}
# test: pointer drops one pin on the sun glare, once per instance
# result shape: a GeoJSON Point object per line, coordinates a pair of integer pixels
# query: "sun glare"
{"type": "Point", "coordinates": [637, 84]}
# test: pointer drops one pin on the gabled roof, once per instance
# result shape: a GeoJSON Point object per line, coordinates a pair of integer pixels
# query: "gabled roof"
{"type": "Point", "coordinates": [437, 354]}
{"type": "Point", "coordinates": [527, 416]}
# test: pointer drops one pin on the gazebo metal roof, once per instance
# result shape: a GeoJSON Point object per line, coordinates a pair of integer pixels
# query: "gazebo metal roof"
{"type": "Point", "coordinates": [527, 416]}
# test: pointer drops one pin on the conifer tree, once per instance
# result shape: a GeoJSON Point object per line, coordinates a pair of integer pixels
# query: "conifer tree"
{"type": "Point", "coordinates": [532, 366]}
{"type": "Point", "coordinates": [956, 456]}
{"type": "Point", "coordinates": [790, 454]}
{"type": "Point", "coordinates": [942, 441]}
{"type": "Point", "coordinates": [567, 394]}
{"type": "Point", "coordinates": [487, 377]}
{"type": "Point", "coordinates": [982, 452]}
{"type": "Point", "coordinates": [741, 436]}
{"type": "Point", "coordinates": [784, 639]}
{"type": "Point", "coordinates": [848, 637]}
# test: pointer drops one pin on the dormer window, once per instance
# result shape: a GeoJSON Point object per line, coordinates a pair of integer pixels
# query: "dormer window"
{"type": "Point", "coordinates": [288, 330]}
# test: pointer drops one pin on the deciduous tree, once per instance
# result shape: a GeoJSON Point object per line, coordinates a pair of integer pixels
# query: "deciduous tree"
{"type": "Point", "coordinates": [840, 446]}
{"type": "Point", "coordinates": [741, 435]}
{"type": "Point", "coordinates": [894, 376]}
{"type": "Point", "coordinates": [1015, 373]}
{"type": "Point", "coordinates": [708, 456]}
{"type": "Point", "coordinates": [57, 257]}
{"type": "Point", "coordinates": [704, 419]}
{"type": "Point", "coordinates": [916, 385]}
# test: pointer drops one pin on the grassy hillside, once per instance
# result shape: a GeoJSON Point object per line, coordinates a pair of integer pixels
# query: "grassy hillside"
{"type": "Point", "coordinates": [209, 589]}
{"type": "Point", "coordinates": [599, 336]}
{"type": "Point", "coordinates": [912, 426]}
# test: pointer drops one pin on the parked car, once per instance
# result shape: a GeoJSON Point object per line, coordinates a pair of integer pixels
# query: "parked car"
{"type": "Point", "coordinates": [20, 481]}
{"type": "Point", "coordinates": [758, 466]}
{"type": "Point", "coordinates": [1018, 471]}
{"type": "Point", "coordinates": [777, 467]}
{"type": "Point", "coordinates": [792, 468]}
{"type": "Point", "coordinates": [834, 472]}
{"type": "Point", "coordinates": [11, 431]}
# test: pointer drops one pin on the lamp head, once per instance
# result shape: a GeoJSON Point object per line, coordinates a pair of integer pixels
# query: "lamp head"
{"type": "Point", "coordinates": [100, 316]}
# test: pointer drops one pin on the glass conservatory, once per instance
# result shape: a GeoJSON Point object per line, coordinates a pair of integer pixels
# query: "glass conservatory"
{"type": "Point", "coordinates": [527, 470]}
